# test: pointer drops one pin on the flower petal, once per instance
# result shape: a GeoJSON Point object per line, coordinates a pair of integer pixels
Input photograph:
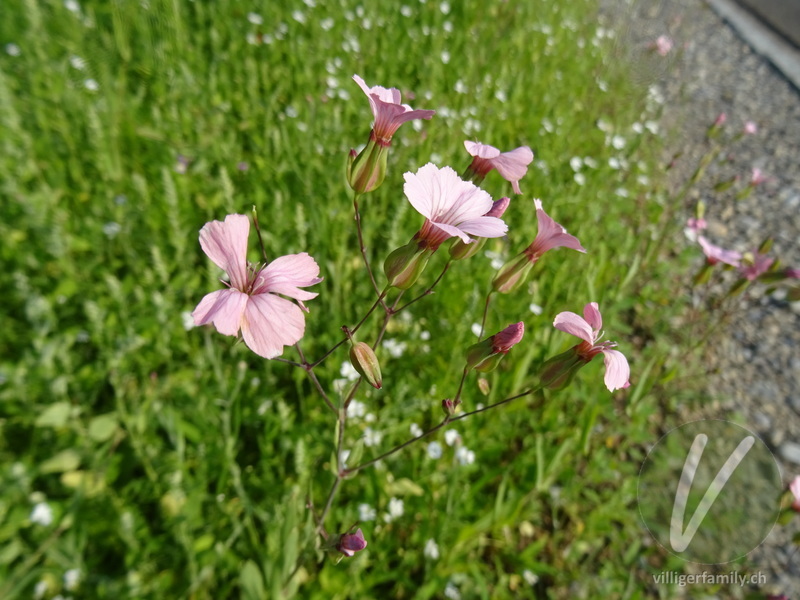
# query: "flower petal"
{"type": "Point", "coordinates": [286, 274]}
{"type": "Point", "coordinates": [224, 308]}
{"type": "Point", "coordinates": [486, 227]}
{"type": "Point", "coordinates": [569, 322]}
{"type": "Point", "coordinates": [270, 323]}
{"type": "Point", "coordinates": [551, 234]}
{"type": "Point", "coordinates": [617, 370]}
{"type": "Point", "coordinates": [481, 150]}
{"type": "Point", "coordinates": [225, 243]}
{"type": "Point", "coordinates": [513, 165]}
{"type": "Point", "coordinates": [591, 312]}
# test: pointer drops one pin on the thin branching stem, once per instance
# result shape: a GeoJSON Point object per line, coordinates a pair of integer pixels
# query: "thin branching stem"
{"type": "Point", "coordinates": [428, 291]}
{"type": "Point", "coordinates": [364, 251]}
{"type": "Point", "coordinates": [485, 312]}
{"type": "Point", "coordinates": [308, 367]}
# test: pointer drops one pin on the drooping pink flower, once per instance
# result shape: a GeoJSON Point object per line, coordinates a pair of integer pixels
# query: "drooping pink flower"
{"type": "Point", "coordinates": [750, 128]}
{"type": "Point", "coordinates": [511, 165]}
{"type": "Point", "coordinates": [794, 487]}
{"type": "Point", "coordinates": [451, 206]}
{"type": "Point", "coordinates": [487, 354]}
{"type": "Point", "coordinates": [388, 111]}
{"type": "Point", "coordinates": [715, 254]}
{"type": "Point", "coordinates": [350, 543]}
{"type": "Point", "coordinates": [588, 329]}
{"type": "Point", "coordinates": [755, 264]}
{"type": "Point", "coordinates": [504, 340]}
{"type": "Point", "coordinates": [550, 235]}
{"type": "Point", "coordinates": [662, 45]}
{"type": "Point", "coordinates": [252, 301]}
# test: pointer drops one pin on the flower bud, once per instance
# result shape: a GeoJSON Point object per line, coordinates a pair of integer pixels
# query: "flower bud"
{"type": "Point", "coordinates": [450, 407]}
{"type": "Point", "coordinates": [459, 250]}
{"type": "Point", "coordinates": [404, 265]}
{"type": "Point", "coordinates": [366, 363]}
{"type": "Point", "coordinates": [369, 168]}
{"type": "Point", "coordinates": [512, 274]}
{"type": "Point", "coordinates": [557, 372]}
{"type": "Point", "coordinates": [350, 543]}
{"type": "Point", "coordinates": [486, 355]}
{"type": "Point", "coordinates": [350, 158]}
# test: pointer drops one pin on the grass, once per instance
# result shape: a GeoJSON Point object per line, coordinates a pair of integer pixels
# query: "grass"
{"type": "Point", "coordinates": [178, 464]}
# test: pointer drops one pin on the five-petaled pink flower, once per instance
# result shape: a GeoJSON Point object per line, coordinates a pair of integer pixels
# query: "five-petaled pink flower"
{"type": "Point", "coordinates": [388, 111]}
{"type": "Point", "coordinates": [451, 207]}
{"type": "Point", "coordinates": [350, 543]}
{"type": "Point", "coordinates": [715, 254]}
{"type": "Point", "coordinates": [794, 487]}
{"type": "Point", "coordinates": [757, 177]}
{"type": "Point", "coordinates": [511, 165]}
{"type": "Point", "coordinates": [662, 45]}
{"type": "Point", "coordinates": [750, 128]}
{"type": "Point", "coordinates": [251, 302]}
{"type": "Point", "coordinates": [588, 329]}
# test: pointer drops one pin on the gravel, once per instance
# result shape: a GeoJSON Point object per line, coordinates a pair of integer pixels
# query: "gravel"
{"type": "Point", "coordinates": [753, 366]}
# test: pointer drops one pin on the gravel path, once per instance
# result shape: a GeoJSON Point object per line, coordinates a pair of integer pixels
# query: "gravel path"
{"type": "Point", "coordinates": [754, 368]}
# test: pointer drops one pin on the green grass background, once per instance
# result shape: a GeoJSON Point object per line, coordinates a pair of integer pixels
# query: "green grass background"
{"type": "Point", "coordinates": [178, 463]}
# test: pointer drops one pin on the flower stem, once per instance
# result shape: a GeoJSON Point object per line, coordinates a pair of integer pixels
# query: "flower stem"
{"type": "Point", "coordinates": [364, 251]}
{"type": "Point", "coordinates": [426, 292]}
{"type": "Point", "coordinates": [309, 368]}
{"type": "Point", "coordinates": [258, 233]}
{"type": "Point", "coordinates": [485, 312]}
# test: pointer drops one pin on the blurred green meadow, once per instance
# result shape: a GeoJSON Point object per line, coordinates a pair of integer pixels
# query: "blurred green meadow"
{"type": "Point", "coordinates": [174, 462]}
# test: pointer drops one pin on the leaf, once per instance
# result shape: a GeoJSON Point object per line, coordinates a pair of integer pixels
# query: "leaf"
{"type": "Point", "coordinates": [55, 415]}
{"type": "Point", "coordinates": [102, 427]}
{"type": "Point", "coordinates": [66, 460]}
{"type": "Point", "coordinates": [403, 487]}
{"type": "Point", "coordinates": [251, 582]}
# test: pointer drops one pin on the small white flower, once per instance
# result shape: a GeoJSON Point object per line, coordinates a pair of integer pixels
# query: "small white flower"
{"type": "Point", "coordinates": [188, 320]}
{"type": "Point", "coordinates": [366, 512]}
{"type": "Point", "coordinates": [461, 87]}
{"type": "Point", "coordinates": [40, 589]}
{"type": "Point", "coordinates": [255, 18]}
{"type": "Point", "coordinates": [415, 430]}
{"type": "Point", "coordinates": [547, 125]}
{"type": "Point", "coordinates": [348, 371]}
{"type": "Point", "coordinates": [643, 180]}
{"type": "Point", "coordinates": [431, 550]}
{"type": "Point", "coordinates": [252, 39]}
{"type": "Point", "coordinates": [603, 125]}
{"type": "Point", "coordinates": [370, 418]}
{"type": "Point", "coordinates": [576, 162]}
{"type": "Point", "coordinates": [340, 385]}
{"type": "Point", "coordinates": [501, 96]}
{"type": "Point", "coordinates": [406, 11]}
{"type": "Point", "coordinates": [580, 178]}
{"type": "Point", "coordinates": [445, 56]}
{"type": "Point", "coordinates": [72, 6]}
{"type": "Point", "coordinates": [602, 85]}
{"type": "Point", "coordinates": [299, 16]}
{"type": "Point", "coordinates": [77, 62]}
{"type": "Point", "coordinates": [637, 127]}
{"type": "Point", "coordinates": [535, 309]}
{"type": "Point", "coordinates": [111, 229]}
{"type": "Point", "coordinates": [621, 192]}
{"type": "Point", "coordinates": [476, 329]}
{"type": "Point", "coordinates": [444, 7]}
{"type": "Point", "coordinates": [530, 577]}
{"type": "Point", "coordinates": [91, 85]}
{"type": "Point", "coordinates": [394, 348]}
{"type": "Point", "coordinates": [465, 456]}
{"type": "Point", "coordinates": [326, 24]}
{"type": "Point", "coordinates": [372, 437]}
{"type": "Point", "coordinates": [652, 127]}
{"type": "Point", "coordinates": [396, 510]}
{"type": "Point", "coordinates": [451, 437]}
{"type": "Point", "coordinates": [13, 50]}
{"type": "Point", "coordinates": [448, 27]}
{"type": "Point", "coordinates": [590, 162]}
{"type": "Point", "coordinates": [424, 335]}
{"type": "Point", "coordinates": [343, 456]}
{"type": "Point", "coordinates": [42, 514]}
{"type": "Point", "coordinates": [614, 163]}
{"type": "Point", "coordinates": [435, 450]}
{"type": "Point", "coordinates": [291, 112]}
{"type": "Point", "coordinates": [71, 579]}
{"type": "Point", "coordinates": [451, 591]}
{"type": "Point", "coordinates": [356, 409]}
{"type": "Point", "coordinates": [618, 142]}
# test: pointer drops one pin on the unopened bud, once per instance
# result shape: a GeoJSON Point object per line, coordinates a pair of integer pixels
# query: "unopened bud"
{"type": "Point", "coordinates": [404, 265]}
{"type": "Point", "coordinates": [459, 250]}
{"type": "Point", "coordinates": [366, 363]}
{"type": "Point", "coordinates": [450, 406]}
{"type": "Point", "coordinates": [486, 355]}
{"type": "Point", "coordinates": [350, 158]}
{"type": "Point", "coordinates": [350, 543]}
{"type": "Point", "coordinates": [368, 169]}
{"type": "Point", "coordinates": [512, 274]}
{"type": "Point", "coordinates": [557, 372]}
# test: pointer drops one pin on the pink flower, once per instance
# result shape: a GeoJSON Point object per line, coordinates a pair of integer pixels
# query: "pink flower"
{"type": "Point", "coordinates": [749, 128]}
{"type": "Point", "coordinates": [487, 354]}
{"type": "Point", "coordinates": [696, 225]}
{"type": "Point", "coordinates": [251, 302]}
{"type": "Point", "coordinates": [794, 487]}
{"type": "Point", "coordinates": [755, 264]}
{"type": "Point", "coordinates": [389, 113]}
{"type": "Point", "coordinates": [715, 254]}
{"type": "Point", "coordinates": [550, 235]}
{"type": "Point", "coordinates": [588, 329]}
{"type": "Point", "coordinates": [757, 177]}
{"type": "Point", "coordinates": [720, 120]}
{"type": "Point", "coordinates": [504, 340]}
{"type": "Point", "coordinates": [512, 165]}
{"type": "Point", "coordinates": [662, 45]}
{"type": "Point", "coordinates": [350, 543]}
{"type": "Point", "coordinates": [451, 207]}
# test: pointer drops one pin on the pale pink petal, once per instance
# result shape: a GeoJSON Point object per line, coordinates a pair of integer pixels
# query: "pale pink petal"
{"type": "Point", "coordinates": [286, 274]}
{"type": "Point", "coordinates": [467, 201]}
{"type": "Point", "coordinates": [481, 150]}
{"type": "Point", "coordinates": [420, 188]}
{"type": "Point", "coordinates": [591, 312]}
{"type": "Point", "coordinates": [794, 487]}
{"type": "Point", "coordinates": [513, 165]}
{"type": "Point", "coordinates": [569, 322]}
{"type": "Point", "coordinates": [618, 372]}
{"type": "Point", "coordinates": [551, 235]}
{"type": "Point", "coordinates": [452, 231]}
{"type": "Point", "coordinates": [225, 243]}
{"type": "Point", "coordinates": [486, 227]}
{"type": "Point", "coordinates": [716, 254]}
{"type": "Point", "coordinates": [224, 308]}
{"type": "Point", "coordinates": [270, 323]}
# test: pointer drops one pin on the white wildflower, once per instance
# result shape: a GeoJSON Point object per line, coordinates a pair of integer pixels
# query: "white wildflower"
{"type": "Point", "coordinates": [431, 550]}
{"type": "Point", "coordinates": [42, 514]}
{"type": "Point", "coordinates": [366, 512]}
{"type": "Point", "coordinates": [465, 456]}
{"type": "Point", "coordinates": [435, 450]}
